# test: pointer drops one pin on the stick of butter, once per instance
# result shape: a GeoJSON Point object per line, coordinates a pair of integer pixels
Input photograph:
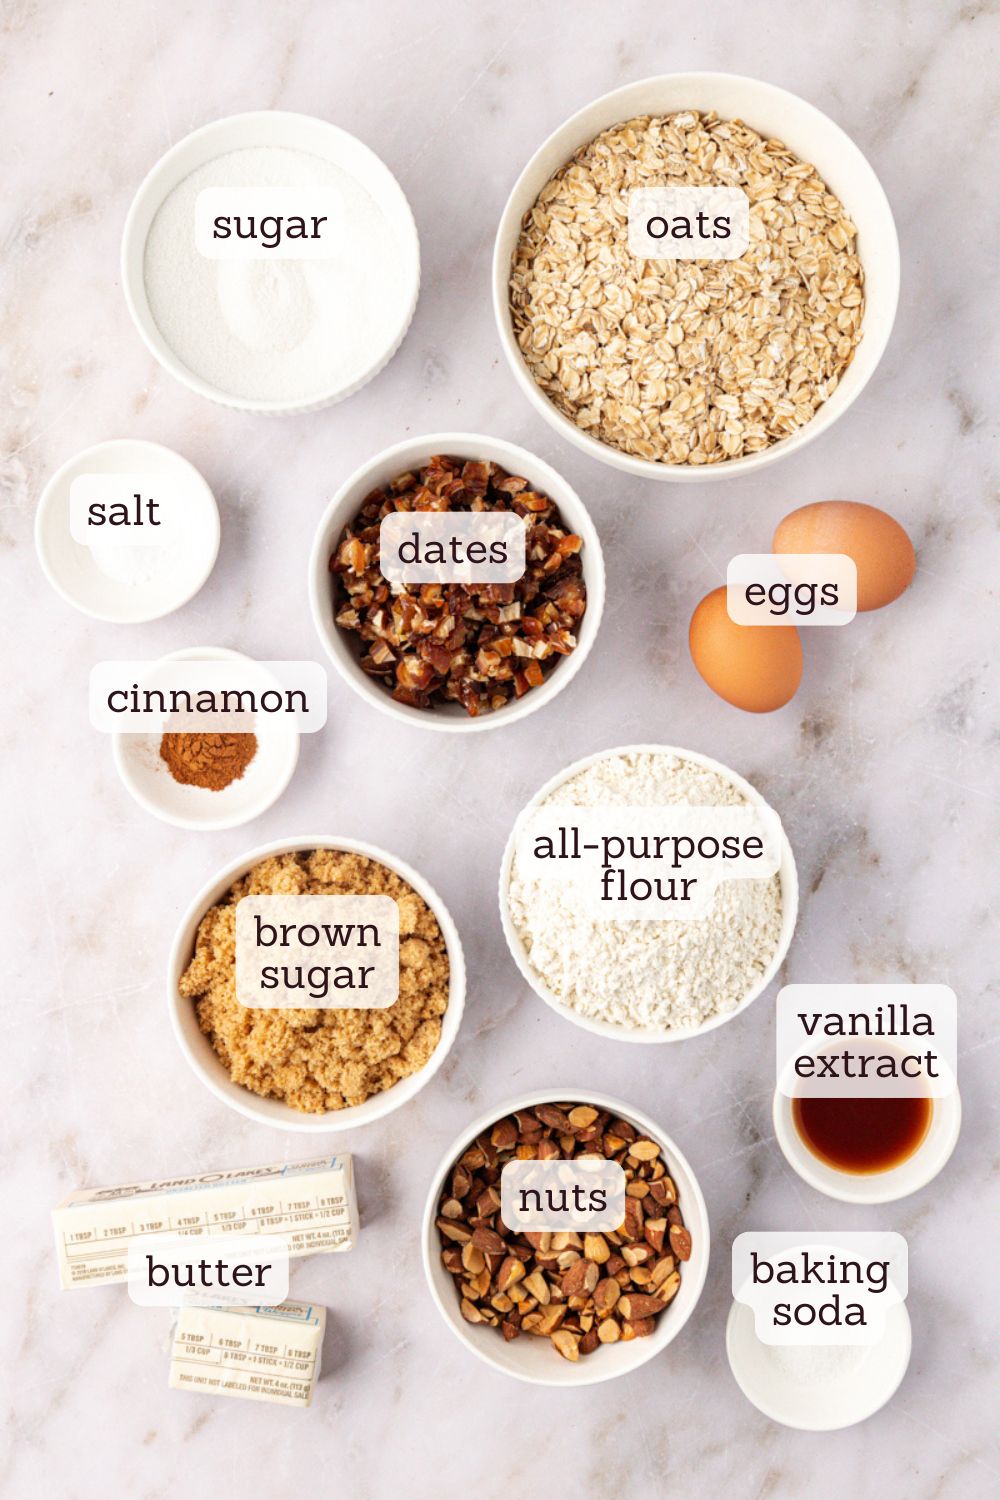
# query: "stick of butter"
{"type": "Point", "coordinates": [310, 1204]}
{"type": "Point", "coordinates": [260, 1353]}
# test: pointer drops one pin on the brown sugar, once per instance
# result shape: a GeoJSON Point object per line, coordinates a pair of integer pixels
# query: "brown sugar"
{"type": "Point", "coordinates": [317, 1060]}
{"type": "Point", "coordinates": [207, 760]}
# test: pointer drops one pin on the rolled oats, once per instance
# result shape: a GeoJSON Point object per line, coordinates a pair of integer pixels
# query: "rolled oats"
{"type": "Point", "coordinates": [687, 362]}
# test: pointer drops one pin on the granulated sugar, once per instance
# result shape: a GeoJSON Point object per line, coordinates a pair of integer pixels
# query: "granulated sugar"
{"type": "Point", "coordinates": [275, 329]}
{"type": "Point", "coordinates": [659, 974]}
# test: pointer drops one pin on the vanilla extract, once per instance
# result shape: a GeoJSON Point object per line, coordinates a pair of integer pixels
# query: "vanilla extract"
{"type": "Point", "coordinates": [863, 1136]}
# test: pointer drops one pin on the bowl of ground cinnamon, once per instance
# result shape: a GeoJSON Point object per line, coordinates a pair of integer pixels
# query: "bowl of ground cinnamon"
{"type": "Point", "coordinates": [323, 1068]}
{"type": "Point", "coordinates": [207, 781]}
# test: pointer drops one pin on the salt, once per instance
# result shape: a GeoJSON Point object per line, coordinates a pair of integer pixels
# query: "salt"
{"type": "Point", "coordinates": [136, 567]}
{"type": "Point", "coordinates": [275, 329]}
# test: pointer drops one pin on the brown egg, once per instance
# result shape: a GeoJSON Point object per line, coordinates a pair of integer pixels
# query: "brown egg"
{"type": "Point", "coordinates": [754, 667]}
{"type": "Point", "coordinates": [881, 549]}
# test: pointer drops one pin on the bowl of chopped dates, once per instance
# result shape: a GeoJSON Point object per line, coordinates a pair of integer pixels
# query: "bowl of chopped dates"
{"type": "Point", "coordinates": [460, 631]}
{"type": "Point", "coordinates": [569, 1307]}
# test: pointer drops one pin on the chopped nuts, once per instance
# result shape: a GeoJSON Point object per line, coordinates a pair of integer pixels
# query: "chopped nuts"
{"type": "Point", "coordinates": [479, 645]}
{"type": "Point", "coordinates": [578, 1290]}
{"type": "Point", "coordinates": [567, 1344]}
{"type": "Point", "coordinates": [680, 1242]}
{"type": "Point", "coordinates": [596, 1248]}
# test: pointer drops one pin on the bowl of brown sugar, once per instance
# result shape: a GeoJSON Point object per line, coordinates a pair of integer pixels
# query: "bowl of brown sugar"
{"type": "Point", "coordinates": [326, 1067]}
{"type": "Point", "coordinates": [207, 781]}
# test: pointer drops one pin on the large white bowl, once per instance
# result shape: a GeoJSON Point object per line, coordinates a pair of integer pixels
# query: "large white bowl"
{"type": "Point", "coordinates": [534, 1359]}
{"type": "Point", "coordinates": [774, 113]}
{"type": "Point", "coordinates": [343, 647]}
{"type": "Point", "coordinates": [789, 905]}
{"type": "Point", "coordinates": [208, 1066]}
{"type": "Point", "coordinates": [267, 127]}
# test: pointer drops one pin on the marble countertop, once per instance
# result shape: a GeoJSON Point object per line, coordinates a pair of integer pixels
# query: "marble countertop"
{"type": "Point", "coordinates": [883, 767]}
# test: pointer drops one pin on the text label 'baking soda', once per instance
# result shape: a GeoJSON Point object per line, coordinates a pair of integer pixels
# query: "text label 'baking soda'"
{"type": "Point", "coordinates": [468, 547]}
{"type": "Point", "coordinates": [867, 1041]}
{"type": "Point", "coordinates": [819, 1287]}
{"type": "Point", "coordinates": [584, 1196]}
{"type": "Point", "coordinates": [231, 695]}
{"type": "Point", "coordinates": [649, 863]}
{"type": "Point", "coordinates": [269, 223]}
{"type": "Point", "coordinates": [688, 223]}
{"type": "Point", "coordinates": [792, 588]}
{"type": "Point", "coordinates": [332, 952]}
{"type": "Point", "coordinates": [206, 1270]}
{"type": "Point", "coordinates": [130, 510]}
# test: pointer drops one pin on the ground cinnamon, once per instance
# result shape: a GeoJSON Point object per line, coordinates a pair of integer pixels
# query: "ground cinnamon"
{"type": "Point", "coordinates": [207, 760]}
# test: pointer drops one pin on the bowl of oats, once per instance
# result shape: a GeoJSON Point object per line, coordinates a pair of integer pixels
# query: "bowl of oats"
{"type": "Point", "coordinates": [695, 276]}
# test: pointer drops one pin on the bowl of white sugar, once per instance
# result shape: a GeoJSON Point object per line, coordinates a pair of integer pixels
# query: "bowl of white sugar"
{"type": "Point", "coordinates": [648, 893]}
{"type": "Point", "coordinates": [270, 262]}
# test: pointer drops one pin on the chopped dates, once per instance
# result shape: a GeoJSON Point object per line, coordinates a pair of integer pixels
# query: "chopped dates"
{"type": "Point", "coordinates": [479, 646]}
{"type": "Point", "coordinates": [577, 1290]}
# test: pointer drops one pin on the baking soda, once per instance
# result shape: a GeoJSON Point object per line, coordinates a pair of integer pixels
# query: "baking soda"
{"type": "Point", "coordinates": [281, 330]}
{"type": "Point", "coordinates": [816, 1364]}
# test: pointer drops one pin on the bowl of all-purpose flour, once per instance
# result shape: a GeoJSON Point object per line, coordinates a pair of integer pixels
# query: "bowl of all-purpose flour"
{"type": "Point", "coordinates": [641, 980]}
{"type": "Point", "coordinates": [270, 262]}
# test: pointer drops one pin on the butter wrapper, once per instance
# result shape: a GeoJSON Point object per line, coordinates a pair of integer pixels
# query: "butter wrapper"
{"type": "Point", "coordinates": [311, 1205]}
{"type": "Point", "coordinates": [257, 1353]}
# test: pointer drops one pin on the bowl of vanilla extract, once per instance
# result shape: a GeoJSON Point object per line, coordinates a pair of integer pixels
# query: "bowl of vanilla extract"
{"type": "Point", "coordinates": [868, 1149]}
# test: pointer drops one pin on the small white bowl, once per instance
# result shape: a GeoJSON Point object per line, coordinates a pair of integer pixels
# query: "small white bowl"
{"type": "Point", "coordinates": [295, 132]}
{"type": "Point", "coordinates": [73, 569]}
{"type": "Point", "coordinates": [342, 647]}
{"type": "Point", "coordinates": [533, 1359]}
{"type": "Point", "coordinates": [872, 1187]}
{"type": "Point", "coordinates": [203, 1060]}
{"type": "Point", "coordinates": [148, 779]}
{"type": "Point", "coordinates": [789, 906]}
{"type": "Point", "coordinates": [827, 1405]}
{"type": "Point", "coordinates": [773, 112]}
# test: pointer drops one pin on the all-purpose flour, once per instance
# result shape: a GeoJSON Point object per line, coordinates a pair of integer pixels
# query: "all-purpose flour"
{"type": "Point", "coordinates": [275, 329]}
{"type": "Point", "coordinates": [647, 973]}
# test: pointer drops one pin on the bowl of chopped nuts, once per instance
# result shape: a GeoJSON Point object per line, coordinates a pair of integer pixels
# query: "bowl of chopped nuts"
{"type": "Point", "coordinates": [457, 582]}
{"type": "Point", "coordinates": [565, 1306]}
{"type": "Point", "coordinates": [672, 343]}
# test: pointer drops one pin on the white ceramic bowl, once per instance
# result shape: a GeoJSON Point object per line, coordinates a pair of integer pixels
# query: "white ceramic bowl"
{"type": "Point", "coordinates": [342, 647]}
{"type": "Point", "coordinates": [829, 1404]}
{"type": "Point", "coordinates": [872, 1187]}
{"type": "Point", "coordinates": [773, 112]}
{"type": "Point", "coordinates": [198, 1051]}
{"type": "Point", "coordinates": [293, 132]}
{"type": "Point", "coordinates": [534, 1359]}
{"type": "Point", "coordinates": [73, 569]}
{"type": "Point", "coordinates": [145, 774]}
{"type": "Point", "coordinates": [789, 906]}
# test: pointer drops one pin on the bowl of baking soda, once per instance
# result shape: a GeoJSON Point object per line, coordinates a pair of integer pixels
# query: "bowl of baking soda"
{"type": "Point", "coordinates": [270, 262]}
